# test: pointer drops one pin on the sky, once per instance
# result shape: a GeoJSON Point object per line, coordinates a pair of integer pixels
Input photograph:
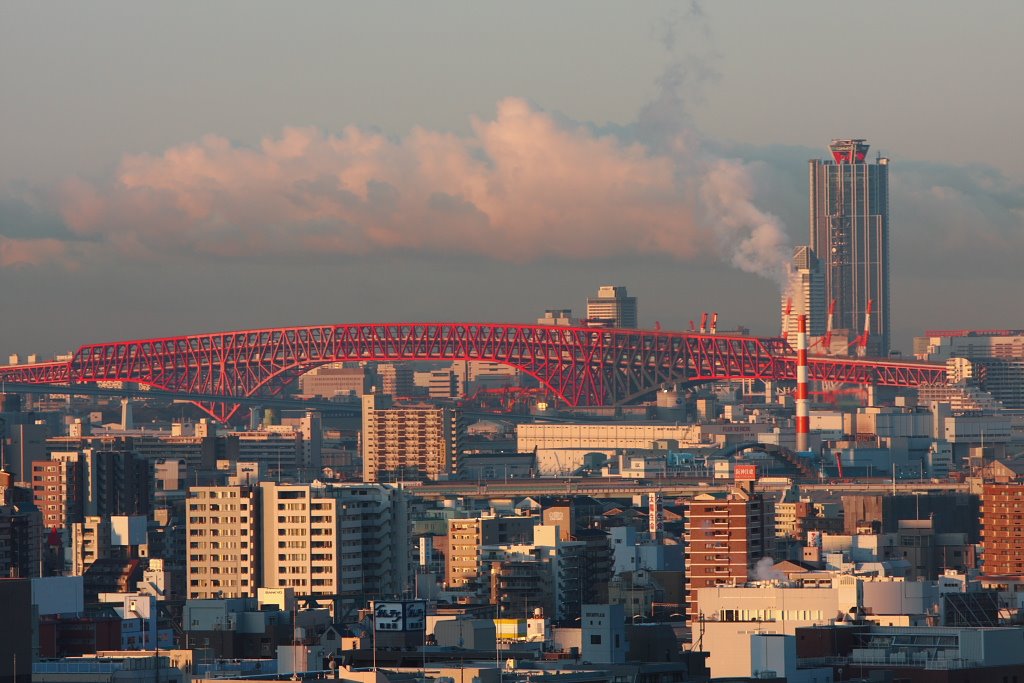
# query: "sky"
{"type": "Point", "coordinates": [190, 167]}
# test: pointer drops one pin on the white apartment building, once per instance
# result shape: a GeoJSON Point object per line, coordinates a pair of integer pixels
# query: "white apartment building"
{"type": "Point", "coordinates": [336, 541]}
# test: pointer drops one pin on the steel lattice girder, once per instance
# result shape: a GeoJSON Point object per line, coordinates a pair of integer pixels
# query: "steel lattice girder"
{"type": "Point", "coordinates": [582, 366]}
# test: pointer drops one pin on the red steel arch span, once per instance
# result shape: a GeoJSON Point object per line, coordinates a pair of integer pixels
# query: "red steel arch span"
{"type": "Point", "coordinates": [581, 366]}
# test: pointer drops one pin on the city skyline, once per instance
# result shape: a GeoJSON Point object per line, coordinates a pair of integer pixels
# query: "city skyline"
{"type": "Point", "coordinates": [77, 244]}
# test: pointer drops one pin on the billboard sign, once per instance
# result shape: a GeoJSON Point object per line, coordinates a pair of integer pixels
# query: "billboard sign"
{"type": "Point", "coordinates": [745, 473]}
{"type": "Point", "coordinates": [388, 616]}
{"type": "Point", "coordinates": [409, 615]}
{"type": "Point", "coordinates": [416, 615]}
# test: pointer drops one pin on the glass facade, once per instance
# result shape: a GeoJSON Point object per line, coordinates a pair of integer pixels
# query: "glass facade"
{"type": "Point", "coordinates": [849, 221]}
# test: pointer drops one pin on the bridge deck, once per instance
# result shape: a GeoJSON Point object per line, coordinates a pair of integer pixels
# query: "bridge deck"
{"type": "Point", "coordinates": [577, 365]}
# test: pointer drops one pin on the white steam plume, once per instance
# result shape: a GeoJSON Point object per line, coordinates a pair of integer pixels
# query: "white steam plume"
{"type": "Point", "coordinates": [765, 570]}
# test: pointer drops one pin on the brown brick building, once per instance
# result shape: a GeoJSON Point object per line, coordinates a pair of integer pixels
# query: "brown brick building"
{"type": "Point", "coordinates": [1002, 528]}
{"type": "Point", "coordinates": [726, 534]}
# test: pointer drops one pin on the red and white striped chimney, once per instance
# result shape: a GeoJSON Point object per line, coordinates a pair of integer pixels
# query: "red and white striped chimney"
{"type": "Point", "coordinates": [803, 418]}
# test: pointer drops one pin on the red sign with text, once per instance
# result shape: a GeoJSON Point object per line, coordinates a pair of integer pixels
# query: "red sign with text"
{"type": "Point", "coordinates": [745, 473]}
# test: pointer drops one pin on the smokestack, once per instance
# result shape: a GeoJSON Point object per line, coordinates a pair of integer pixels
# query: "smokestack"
{"type": "Point", "coordinates": [803, 420]}
{"type": "Point", "coordinates": [704, 322]}
{"type": "Point", "coordinates": [714, 323]}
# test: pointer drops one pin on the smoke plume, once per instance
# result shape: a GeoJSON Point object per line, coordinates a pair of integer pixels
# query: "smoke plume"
{"type": "Point", "coordinates": [765, 570]}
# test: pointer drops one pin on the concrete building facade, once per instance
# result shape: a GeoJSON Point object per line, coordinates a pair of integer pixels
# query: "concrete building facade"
{"type": "Point", "coordinates": [467, 536]}
{"type": "Point", "coordinates": [409, 443]}
{"type": "Point", "coordinates": [337, 542]}
{"type": "Point", "coordinates": [726, 536]}
{"type": "Point", "coordinates": [849, 231]}
{"type": "Point", "coordinates": [1002, 528]}
{"type": "Point", "coordinates": [223, 542]}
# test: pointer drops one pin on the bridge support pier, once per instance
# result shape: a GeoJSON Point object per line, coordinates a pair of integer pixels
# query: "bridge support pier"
{"type": "Point", "coordinates": [872, 394]}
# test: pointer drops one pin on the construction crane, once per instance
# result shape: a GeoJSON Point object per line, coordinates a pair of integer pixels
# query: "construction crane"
{"type": "Point", "coordinates": [785, 318]}
{"type": "Point", "coordinates": [867, 331]}
{"type": "Point", "coordinates": [860, 341]}
{"type": "Point", "coordinates": [839, 464]}
{"type": "Point", "coordinates": [826, 341]}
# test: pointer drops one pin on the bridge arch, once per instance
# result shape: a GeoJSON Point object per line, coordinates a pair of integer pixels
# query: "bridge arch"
{"type": "Point", "coordinates": [580, 366]}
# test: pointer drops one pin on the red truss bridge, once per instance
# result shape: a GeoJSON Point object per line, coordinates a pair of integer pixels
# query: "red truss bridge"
{"type": "Point", "coordinates": [581, 366]}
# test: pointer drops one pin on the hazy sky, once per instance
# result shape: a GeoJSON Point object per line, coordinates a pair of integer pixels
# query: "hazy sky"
{"type": "Point", "coordinates": [182, 167]}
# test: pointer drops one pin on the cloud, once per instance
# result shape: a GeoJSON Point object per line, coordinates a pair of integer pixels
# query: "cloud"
{"type": "Point", "coordinates": [32, 252]}
{"type": "Point", "coordinates": [32, 234]}
{"type": "Point", "coordinates": [968, 221]}
{"type": "Point", "coordinates": [523, 186]}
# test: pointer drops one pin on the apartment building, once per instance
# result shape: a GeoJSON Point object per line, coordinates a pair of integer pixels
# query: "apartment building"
{"type": "Point", "coordinates": [1002, 528]}
{"type": "Point", "coordinates": [409, 443]}
{"type": "Point", "coordinates": [223, 542]}
{"type": "Point", "coordinates": [467, 536]}
{"type": "Point", "coordinates": [726, 535]}
{"type": "Point", "coordinates": [336, 542]}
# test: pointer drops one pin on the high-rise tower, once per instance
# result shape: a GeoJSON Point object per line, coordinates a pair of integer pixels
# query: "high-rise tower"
{"type": "Point", "coordinates": [804, 295]}
{"type": "Point", "coordinates": [850, 234]}
{"type": "Point", "coordinates": [612, 307]}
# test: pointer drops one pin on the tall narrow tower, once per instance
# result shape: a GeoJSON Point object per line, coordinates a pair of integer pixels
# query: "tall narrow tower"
{"type": "Point", "coordinates": [849, 214]}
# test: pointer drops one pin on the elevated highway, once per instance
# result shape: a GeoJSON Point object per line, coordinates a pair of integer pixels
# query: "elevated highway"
{"type": "Point", "coordinates": [668, 488]}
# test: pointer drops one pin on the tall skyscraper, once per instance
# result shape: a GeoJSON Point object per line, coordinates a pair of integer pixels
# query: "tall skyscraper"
{"type": "Point", "coordinates": [804, 295]}
{"type": "Point", "coordinates": [613, 307]}
{"type": "Point", "coordinates": [849, 212]}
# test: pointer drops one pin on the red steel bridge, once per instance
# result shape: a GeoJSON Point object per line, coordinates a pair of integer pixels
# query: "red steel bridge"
{"type": "Point", "coordinates": [580, 366]}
